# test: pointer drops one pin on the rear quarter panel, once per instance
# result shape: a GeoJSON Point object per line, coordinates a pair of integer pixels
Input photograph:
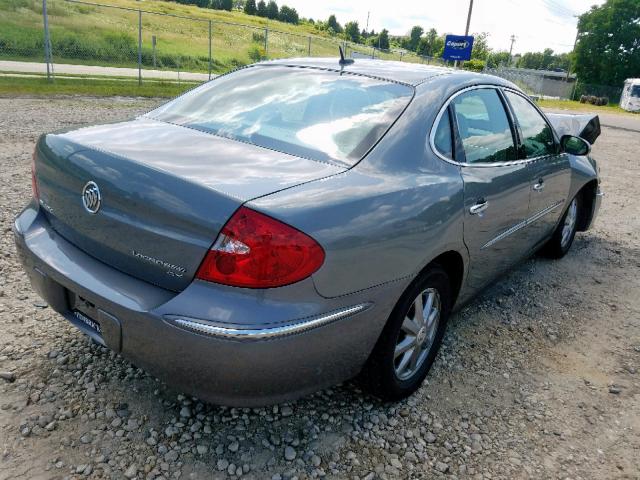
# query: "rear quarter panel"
{"type": "Point", "coordinates": [387, 217]}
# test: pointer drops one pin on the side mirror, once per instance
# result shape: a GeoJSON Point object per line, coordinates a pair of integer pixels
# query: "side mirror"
{"type": "Point", "coordinates": [575, 145]}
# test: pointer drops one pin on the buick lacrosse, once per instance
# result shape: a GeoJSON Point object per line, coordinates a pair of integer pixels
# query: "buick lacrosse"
{"type": "Point", "coordinates": [298, 223]}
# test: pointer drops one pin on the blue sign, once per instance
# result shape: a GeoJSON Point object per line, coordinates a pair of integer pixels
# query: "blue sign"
{"type": "Point", "coordinates": [457, 47]}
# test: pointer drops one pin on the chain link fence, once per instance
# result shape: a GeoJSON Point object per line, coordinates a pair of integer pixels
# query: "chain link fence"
{"type": "Point", "coordinates": [86, 33]}
{"type": "Point", "coordinates": [550, 84]}
{"type": "Point", "coordinates": [539, 83]}
{"type": "Point", "coordinates": [156, 42]}
{"type": "Point", "coordinates": [587, 92]}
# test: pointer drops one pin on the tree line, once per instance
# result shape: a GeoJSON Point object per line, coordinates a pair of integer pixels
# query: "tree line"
{"type": "Point", "coordinates": [263, 9]}
{"type": "Point", "coordinates": [271, 10]}
{"type": "Point", "coordinates": [607, 49]}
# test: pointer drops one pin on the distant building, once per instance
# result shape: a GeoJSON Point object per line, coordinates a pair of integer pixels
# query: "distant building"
{"type": "Point", "coordinates": [630, 99]}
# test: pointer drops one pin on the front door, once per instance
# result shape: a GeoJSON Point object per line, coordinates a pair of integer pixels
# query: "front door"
{"type": "Point", "coordinates": [550, 170]}
{"type": "Point", "coordinates": [496, 184]}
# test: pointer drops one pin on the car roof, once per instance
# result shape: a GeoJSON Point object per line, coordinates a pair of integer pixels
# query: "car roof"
{"type": "Point", "coordinates": [402, 72]}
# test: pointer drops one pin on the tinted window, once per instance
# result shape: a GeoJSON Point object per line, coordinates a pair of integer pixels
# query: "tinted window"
{"type": "Point", "coordinates": [442, 139]}
{"type": "Point", "coordinates": [537, 137]}
{"type": "Point", "coordinates": [484, 127]}
{"type": "Point", "coordinates": [301, 111]}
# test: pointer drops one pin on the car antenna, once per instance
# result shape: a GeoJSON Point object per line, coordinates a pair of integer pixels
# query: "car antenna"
{"type": "Point", "coordinates": [344, 61]}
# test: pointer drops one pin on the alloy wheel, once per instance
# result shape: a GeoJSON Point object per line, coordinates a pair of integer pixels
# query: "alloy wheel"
{"type": "Point", "coordinates": [417, 333]}
{"type": "Point", "coordinates": [569, 223]}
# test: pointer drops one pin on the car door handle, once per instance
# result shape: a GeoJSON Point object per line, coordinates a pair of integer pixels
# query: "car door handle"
{"type": "Point", "coordinates": [538, 187]}
{"type": "Point", "coordinates": [479, 207]}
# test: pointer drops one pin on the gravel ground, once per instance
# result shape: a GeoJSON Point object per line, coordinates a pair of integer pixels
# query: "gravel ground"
{"type": "Point", "coordinates": [537, 378]}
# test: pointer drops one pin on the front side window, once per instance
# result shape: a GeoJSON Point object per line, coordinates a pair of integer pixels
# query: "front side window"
{"type": "Point", "coordinates": [483, 126]}
{"type": "Point", "coordinates": [311, 113]}
{"type": "Point", "coordinates": [537, 138]}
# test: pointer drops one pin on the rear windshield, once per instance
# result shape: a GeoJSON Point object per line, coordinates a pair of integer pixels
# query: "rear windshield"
{"type": "Point", "coordinates": [310, 113]}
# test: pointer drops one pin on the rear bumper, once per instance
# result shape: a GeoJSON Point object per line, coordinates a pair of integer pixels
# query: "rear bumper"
{"type": "Point", "coordinates": [226, 345]}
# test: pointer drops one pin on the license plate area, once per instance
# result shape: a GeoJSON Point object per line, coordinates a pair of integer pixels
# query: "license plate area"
{"type": "Point", "coordinates": [89, 322]}
{"type": "Point", "coordinates": [84, 312]}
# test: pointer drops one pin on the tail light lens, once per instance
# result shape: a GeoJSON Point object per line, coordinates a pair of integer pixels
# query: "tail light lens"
{"type": "Point", "coordinates": [34, 182]}
{"type": "Point", "coordinates": [257, 251]}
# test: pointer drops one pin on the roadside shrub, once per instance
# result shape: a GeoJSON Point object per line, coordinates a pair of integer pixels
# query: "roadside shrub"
{"type": "Point", "coordinates": [593, 100]}
{"type": "Point", "coordinates": [233, 64]}
{"type": "Point", "coordinates": [474, 65]}
{"type": "Point", "coordinates": [27, 42]}
{"type": "Point", "coordinates": [258, 37]}
{"type": "Point", "coordinates": [256, 53]}
{"type": "Point", "coordinates": [14, 5]}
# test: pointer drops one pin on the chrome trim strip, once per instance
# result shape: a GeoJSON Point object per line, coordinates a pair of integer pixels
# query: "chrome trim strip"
{"type": "Point", "coordinates": [200, 326]}
{"type": "Point", "coordinates": [522, 224]}
{"type": "Point", "coordinates": [434, 127]}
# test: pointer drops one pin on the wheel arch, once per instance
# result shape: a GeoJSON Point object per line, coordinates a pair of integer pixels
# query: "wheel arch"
{"type": "Point", "coordinates": [587, 194]}
{"type": "Point", "coordinates": [452, 262]}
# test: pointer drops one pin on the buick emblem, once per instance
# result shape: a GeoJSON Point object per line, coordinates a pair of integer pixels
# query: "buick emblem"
{"type": "Point", "coordinates": [91, 197]}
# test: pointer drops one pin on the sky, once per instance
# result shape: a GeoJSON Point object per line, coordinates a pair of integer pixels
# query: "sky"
{"type": "Point", "coordinates": [537, 24]}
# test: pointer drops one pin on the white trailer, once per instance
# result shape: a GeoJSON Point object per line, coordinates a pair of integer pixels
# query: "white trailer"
{"type": "Point", "coordinates": [630, 99]}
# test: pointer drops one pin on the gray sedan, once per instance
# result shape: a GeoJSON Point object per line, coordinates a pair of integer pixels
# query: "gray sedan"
{"type": "Point", "coordinates": [299, 223]}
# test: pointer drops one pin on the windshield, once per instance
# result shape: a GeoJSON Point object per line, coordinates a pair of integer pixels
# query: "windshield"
{"type": "Point", "coordinates": [635, 91]}
{"type": "Point", "coordinates": [317, 114]}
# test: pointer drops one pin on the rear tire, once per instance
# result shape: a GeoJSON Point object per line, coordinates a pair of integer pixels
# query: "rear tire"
{"type": "Point", "coordinates": [562, 239]}
{"type": "Point", "coordinates": [411, 338]}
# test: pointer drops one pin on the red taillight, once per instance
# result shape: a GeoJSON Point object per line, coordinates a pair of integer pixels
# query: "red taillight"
{"type": "Point", "coordinates": [34, 182]}
{"type": "Point", "coordinates": [257, 251]}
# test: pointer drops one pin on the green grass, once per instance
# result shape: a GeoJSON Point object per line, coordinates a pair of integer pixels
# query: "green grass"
{"type": "Point", "coordinates": [108, 36]}
{"type": "Point", "coordinates": [84, 34]}
{"type": "Point", "coordinates": [582, 107]}
{"type": "Point", "coordinates": [12, 86]}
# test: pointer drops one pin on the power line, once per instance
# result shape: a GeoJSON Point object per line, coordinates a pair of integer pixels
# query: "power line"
{"type": "Point", "coordinates": [560, 9]}
{"type": "Point", "coordinates": [552, 9]}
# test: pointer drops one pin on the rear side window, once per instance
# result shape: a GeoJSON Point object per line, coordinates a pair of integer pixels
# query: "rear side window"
{"type": "Point", "coordinates": [442, 139]}
{"type": "Point", "coordinates": [537, 138]}
{"type": "Point", "coordinates": [484, 127]}
{"type": "Point", "coordinates": [317, 114]}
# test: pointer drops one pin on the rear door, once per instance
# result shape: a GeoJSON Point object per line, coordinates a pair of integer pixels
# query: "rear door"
{"type": "Point", "coordinates": [550, 169]}
{"type": "Point", "coordinates": [496, 185]}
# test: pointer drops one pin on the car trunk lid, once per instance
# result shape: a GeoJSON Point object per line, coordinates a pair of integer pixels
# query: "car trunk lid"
{"type": "Point", "coordinates": [165, 192]}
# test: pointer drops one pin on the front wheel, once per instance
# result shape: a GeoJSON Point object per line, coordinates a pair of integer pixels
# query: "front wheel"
{"type": "Point", "coordinates": [410, 341]}
{"type": "Point", "coordinates": [562, 238]}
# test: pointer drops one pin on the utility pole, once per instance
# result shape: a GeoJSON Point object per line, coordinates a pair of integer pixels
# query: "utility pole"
{"type": "Point", "coordinates": [513, 39]}
{"type": "Point", "coordinates": [466, 30]}
{"type": "Point", "coordinates": [367, 27]}
{"type": "Point", "coordinates": [575, 44]}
